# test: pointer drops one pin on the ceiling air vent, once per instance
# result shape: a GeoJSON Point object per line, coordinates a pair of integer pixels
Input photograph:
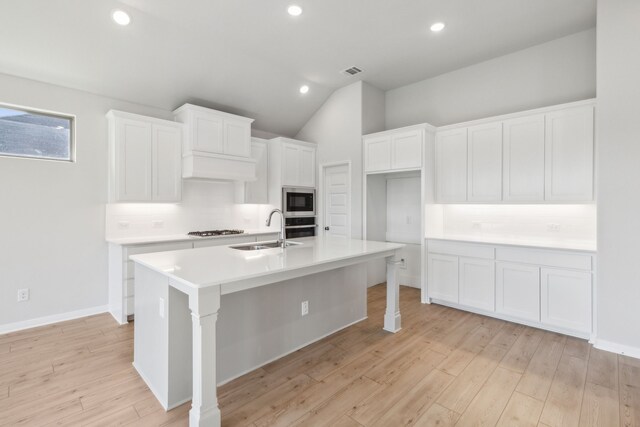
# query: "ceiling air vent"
{"type": "Point", "coordinates": [352, 71]}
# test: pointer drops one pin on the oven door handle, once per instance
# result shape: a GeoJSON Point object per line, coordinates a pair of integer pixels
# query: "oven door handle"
{"type": "Point", "coordinates": [289, 227]}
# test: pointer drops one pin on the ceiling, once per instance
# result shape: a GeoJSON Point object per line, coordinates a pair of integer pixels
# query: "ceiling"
{"type": "Point", "coordinates": [250, 57]}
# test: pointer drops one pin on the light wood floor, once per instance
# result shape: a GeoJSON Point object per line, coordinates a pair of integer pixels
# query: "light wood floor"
{"type": "Point", "coordinates": [445, 368]}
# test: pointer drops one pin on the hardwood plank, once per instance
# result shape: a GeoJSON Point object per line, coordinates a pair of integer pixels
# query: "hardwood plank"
{"type": "Point", "coordinates": [600, 406]}
{"type": "Point", "coordinates": [437, 416]}
{"type": "Point", "coordinates": [538, 376]}
{"type": "Point", "coordinates": [392, 367]}
{"type": "Point", "coordinates": [485, 409]}
{"type": "Point", "coordinates": [474, 342]}
{"type": "Point", "coordinates": [520, 354]}
{"type": "Point", "coordinates": [466, 385]}
{"type": "Point", "coordinates": [372, 408]}
{"type": "Point", "coordinates": [629, 395]}
{"type": "Point", "coordinates": [319, 393]}
{"type": "Point", "coordinates": [577, 347]}
{"type": "Point", "coordinates": [331, 410]}
{"type": "Point", "coordinates": [563, 404]}
{"type": "Point", "coordinates": [521, 411]}
{"type": "Point", "coordinates": [269, 402]}
{"type": "Point", "coordinates": [415, 402]}
{"type": "Point", "coordinates": [603, 368]}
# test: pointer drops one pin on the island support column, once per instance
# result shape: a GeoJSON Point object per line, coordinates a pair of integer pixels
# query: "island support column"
{"type": "Point", "coordinates": [204, 304]}
{"type": "Point", "coordinates": [392, 319]}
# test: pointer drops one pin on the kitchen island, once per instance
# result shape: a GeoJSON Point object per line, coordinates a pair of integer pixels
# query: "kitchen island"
{"type": "Point", "coordinates": [179, 295]}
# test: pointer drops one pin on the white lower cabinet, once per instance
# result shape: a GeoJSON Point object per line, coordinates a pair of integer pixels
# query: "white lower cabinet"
{"type": "Point", "coordinates": [518, 290]}
{"type": "Point", "coordinates": [566, 298]}
{"type": "Point", "coordinates": [443, 277]}
{"type": "Point", "coordinates": [547, 288]}
{"type": "Point", "coordinates": [121, 270]}
{"type": "Point", "coordinates": [477, 283]}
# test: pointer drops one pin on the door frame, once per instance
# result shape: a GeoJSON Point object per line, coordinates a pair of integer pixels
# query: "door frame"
{"type": "Point", "coordinates": [321, 192]}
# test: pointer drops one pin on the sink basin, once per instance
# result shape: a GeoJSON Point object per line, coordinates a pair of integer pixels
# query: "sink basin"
{"type": "Point", "coordinates": [262, 245]}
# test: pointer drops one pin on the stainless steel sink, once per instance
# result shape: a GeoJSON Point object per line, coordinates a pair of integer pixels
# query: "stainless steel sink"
{"type": "Point", "coordinates": [262, 245]}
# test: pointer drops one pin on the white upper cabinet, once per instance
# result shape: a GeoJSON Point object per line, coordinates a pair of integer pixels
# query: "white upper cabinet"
{"type": "Point", "coordinates": [406, 150]}
{"type": "Point", "coordinates": [451, 165]}
{"type": "Point", "coordinates": [215, 132]}
{"type": "Point", "coordinates": [569, 154]}
{"type": "Point", "coordinates": [292, 163]}
{"type": "Point", "coordinates": [523, 163]}
{"type": "Point", "coordinates": [543, 155]}
{"type": "Point", "coordinates": [393, 150]}
{"type": "Point", "coordinates": [377, 153]}
{"type": "Point", "coordinates": [166, 151]}
{"type": "Point", "coordinates": [484, 163]}
{"type": "Point", "coordinates": [145, 158]}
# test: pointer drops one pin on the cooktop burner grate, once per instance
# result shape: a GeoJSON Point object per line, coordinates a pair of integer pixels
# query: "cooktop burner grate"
{"type": "Point", "coordinates": [209, 233]}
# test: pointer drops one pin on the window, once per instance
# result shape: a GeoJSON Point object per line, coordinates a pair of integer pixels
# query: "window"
{"type": "Point", "coordinates": [36, 134]}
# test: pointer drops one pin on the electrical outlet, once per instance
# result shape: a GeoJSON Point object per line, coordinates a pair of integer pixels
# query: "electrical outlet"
{"type": "Point", "coordinates": [23, 295]}
{"type": "Point", "coordinates": [305, 308]}
{"type": "Point", "coordinates": [157, 223]}
{"type": "Point", "coordinates": [409, 219]}
{"type": "Point", "coordinates": [403, 263]}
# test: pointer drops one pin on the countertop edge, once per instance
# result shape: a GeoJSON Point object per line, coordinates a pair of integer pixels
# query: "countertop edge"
{"type": "Point", "coordinates": [519, 244]}
{"type": "Point", "coordinates": [132, 241]}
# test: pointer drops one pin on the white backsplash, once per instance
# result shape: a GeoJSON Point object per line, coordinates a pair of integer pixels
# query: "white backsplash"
{"type": "Point", "coordinates": [553, 222]}
{"type": "Point", "coordinates": [205, 205]}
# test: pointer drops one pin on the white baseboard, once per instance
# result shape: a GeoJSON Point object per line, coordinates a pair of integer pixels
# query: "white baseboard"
{"type": "Point", "coordinates": [47, 320]}
{"type": "Point", "coordinates": [617, 348]}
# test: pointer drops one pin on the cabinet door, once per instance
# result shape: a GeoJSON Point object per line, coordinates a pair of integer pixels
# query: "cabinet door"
{"type": "Point", "coordinates": [208, 133]}
{"type": "Point", "coordinates": [256, 192]}
{"type": "Point", "coordinates": [133, 161]}
{"type": "Point", "coordinates": [443, 277]}
{"type": "Point", "coordinates": [566, 298]}
{"type": "Point", "coordinates": [484, 161]}
{"type": "Point", "coordinates": [523, 159]}
{"type": "Point", "coordinates": [290, 164]}
{"type": "Point", "coordinates": [237, 138]}
{"type": "Point", "coordinates": [569, 155]}
{"type": "Point", "coordinates": [451, 166]}
{"type": "Point", "coordinates": [406, 150]}
{"type": "Point", "coordinates": [477, 283]}
{"type": "Point", "coordinates": [167, 163]}
{"type": "Point", "coordinates": [377, 154]}
{"type": "Point", "coordinates": [518, 290]}
{"type": "Point", "coordinates": [307, 168]}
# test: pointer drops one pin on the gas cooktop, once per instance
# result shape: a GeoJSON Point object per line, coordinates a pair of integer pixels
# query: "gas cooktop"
{"type": "Point", "coordinates": [209, 233]}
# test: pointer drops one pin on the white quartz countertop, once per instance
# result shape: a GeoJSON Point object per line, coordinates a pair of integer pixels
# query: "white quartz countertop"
{"type": "Point", "coordinates": [574, 245]}
{"type": "Point", "coordinates": [141, 240]}
{"type": "Point", "coordinates": [218, 265]}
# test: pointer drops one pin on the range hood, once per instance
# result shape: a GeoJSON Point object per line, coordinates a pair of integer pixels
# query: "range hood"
{"type": "Point", "coordinates": [217, 145]}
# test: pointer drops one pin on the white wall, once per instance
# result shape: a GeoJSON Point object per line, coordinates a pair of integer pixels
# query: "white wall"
{"type": "Point", "coordinates": [540, 222]}
{"type": "Point", "coordinates": [337, 129]}
{"type": "Point", "coordinates": [559, 71]}
{"type": "Point", "coordinates": [618, 134]}
{"type": "Point", "coordinates": [52, 219]}
{"type": "Point", "coordinates": [205, 205]}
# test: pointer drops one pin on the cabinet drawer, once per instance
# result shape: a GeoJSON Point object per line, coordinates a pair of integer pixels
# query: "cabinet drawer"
{"type": "Point", "coordinates": [544, 257]}
{"type": "Point", "coordinates": [461, 249]}
{"type": "Point", "coordinates": [223, 241]}
{"type": "Point", "coordinates": [162, 247]}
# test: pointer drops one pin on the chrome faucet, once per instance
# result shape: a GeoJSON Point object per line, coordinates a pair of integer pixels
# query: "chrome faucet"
{"type": "Point", "coordinates": [282, 241]}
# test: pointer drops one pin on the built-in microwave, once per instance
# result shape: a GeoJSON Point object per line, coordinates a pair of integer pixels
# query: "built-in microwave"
{"type": "Point", "coordinates": [298, 201]}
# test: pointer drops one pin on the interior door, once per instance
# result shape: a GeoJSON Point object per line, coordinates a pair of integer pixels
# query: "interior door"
{"type": "Point", "coordinates": [337, 201]}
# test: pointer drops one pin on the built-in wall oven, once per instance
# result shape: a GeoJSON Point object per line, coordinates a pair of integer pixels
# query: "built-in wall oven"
{"type": "Point", "coordinates": [298, 201]}
{"type": "Point", "coordinates": [299, 226]}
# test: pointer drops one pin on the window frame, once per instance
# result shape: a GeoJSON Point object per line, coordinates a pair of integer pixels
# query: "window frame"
{"type": "Point", "coordinates": [39, 111]}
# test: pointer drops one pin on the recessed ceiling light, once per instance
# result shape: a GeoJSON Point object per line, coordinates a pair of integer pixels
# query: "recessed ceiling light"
{"type": "Point", "coordinates": [304, 89]}
{"type": "Point", "coordinates": [121, 17]}
{"type": "Point", "coordinates": [437, 27]}
{"type": "Point", "coordinates": [294, 10]}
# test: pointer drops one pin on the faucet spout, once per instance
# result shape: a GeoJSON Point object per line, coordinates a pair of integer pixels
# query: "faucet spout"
{"type": "Point", "coordinates": [282, 241]}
